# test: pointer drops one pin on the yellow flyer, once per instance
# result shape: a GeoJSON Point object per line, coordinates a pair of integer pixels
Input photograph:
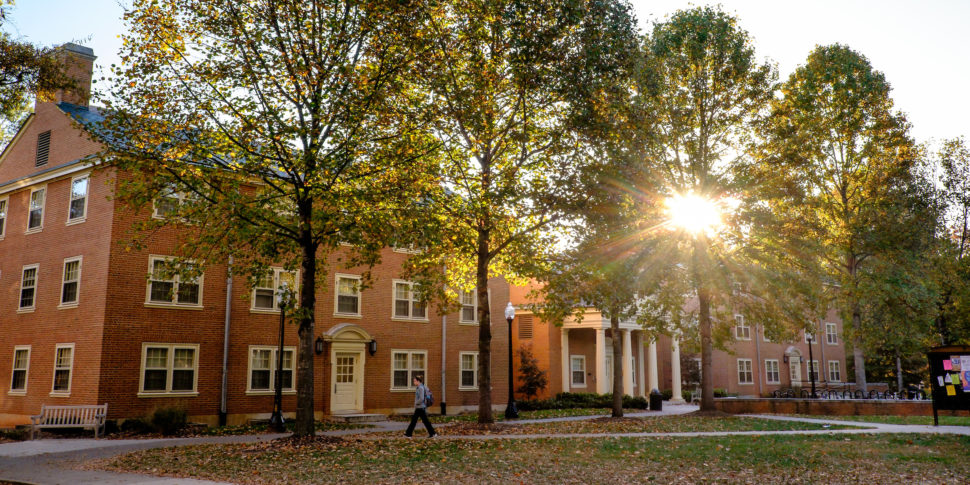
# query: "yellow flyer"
{"type": "Point", "coordinates": [950, 391]}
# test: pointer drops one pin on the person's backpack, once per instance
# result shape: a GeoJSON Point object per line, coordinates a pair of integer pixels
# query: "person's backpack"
{"type": "Point", "coordinates": [428, 397]}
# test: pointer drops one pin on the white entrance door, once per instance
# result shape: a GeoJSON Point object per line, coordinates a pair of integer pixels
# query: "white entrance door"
{"type": "Point", "coordinates": [795, 370]}
{"type": "Point", "coordinates": [348, 383]}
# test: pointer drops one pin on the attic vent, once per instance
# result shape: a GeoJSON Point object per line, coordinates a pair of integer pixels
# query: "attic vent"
{"type": "Point", "coordinates": [43, 148]}
{"type": "Point", "coordinates": [525, 327]}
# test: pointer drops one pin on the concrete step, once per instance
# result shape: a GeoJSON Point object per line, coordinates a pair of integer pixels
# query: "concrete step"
{"type": "Point", "coordinates": [358, 418]}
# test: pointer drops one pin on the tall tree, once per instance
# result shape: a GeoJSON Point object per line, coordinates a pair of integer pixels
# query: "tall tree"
{"type": "Point", "coordinates": [508, 81]}
{"type": "Point", "coordinates": [953, 262]}
{"type": "Point", "coordinates": [703, 85]}
{"type": "Point", "coordinates": [839, 153]}
{"type": "Point", "coordinates": [26, 71]}
{"type": "Point", "coordinates": [286, 122]}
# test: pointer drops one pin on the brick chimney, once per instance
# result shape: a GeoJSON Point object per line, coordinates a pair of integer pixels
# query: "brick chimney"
{"type": "Point", "coordinates": [79, 65]}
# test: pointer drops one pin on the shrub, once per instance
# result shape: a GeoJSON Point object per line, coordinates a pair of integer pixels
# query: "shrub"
{"type": "Point", "coordinates": [718, 392]}
{"type": "Point", "coordinates": [532, 377]}
{"type": "Point", "coordinates": [136, 425]}
{"type": "Point", "coordinates": [685, 395]}
{"type": "Point", "coordinates": [573, 400]}
{"type": "Point", "coordinates": [169, 420]}
{"type": "Point", "coordinates": [668, 394]}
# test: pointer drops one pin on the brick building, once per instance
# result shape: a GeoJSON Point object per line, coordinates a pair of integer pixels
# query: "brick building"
{"type": "Point", "coordinates": [86, 320]}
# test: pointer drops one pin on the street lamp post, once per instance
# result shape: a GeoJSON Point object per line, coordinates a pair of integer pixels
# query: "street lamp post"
{"type": "Point", "coordinates": [811, 364]}
{"type": "Point", "coordinates": [276, 420]}
{"type": "Point", "coordinates": [511, 412]}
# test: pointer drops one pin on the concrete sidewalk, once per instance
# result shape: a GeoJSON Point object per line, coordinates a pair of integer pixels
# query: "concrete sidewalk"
{"type": "Point", "coordinates": [55, 461]}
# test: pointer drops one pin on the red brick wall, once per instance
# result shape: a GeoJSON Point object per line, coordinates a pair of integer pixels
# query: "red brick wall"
{"type": "Point", "coordinates": [830, 407]}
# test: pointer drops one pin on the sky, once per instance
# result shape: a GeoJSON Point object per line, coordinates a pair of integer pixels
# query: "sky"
{"type": "Point", "coordinates": [921, 46]}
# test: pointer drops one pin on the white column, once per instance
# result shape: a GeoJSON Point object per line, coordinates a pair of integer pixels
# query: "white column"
{"type": "Point", "coordinates": [566, 369]}
{"type": "Point", "coordinates": [641, 375]}
{"type": "Point", "coordinates": [653, 382]}
{"type": "Point", "coordinates": [675, 369]}
{"type": "Point", "coordinates": [627, 363]}
{"type": "Point", "coordinates": [600, 361]}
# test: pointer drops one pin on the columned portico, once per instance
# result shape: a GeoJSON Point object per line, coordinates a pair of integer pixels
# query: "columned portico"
{"type": "Point", "coordinates": [675, 369]}
{"type": "Point", "coordinates": [653, 381]}
{"type": "Point", "coordinates": [601, 384]}
{"type": "Point", "coordinates": [641, 375]}
{"type": "Point", "coordinates": [627, 363]}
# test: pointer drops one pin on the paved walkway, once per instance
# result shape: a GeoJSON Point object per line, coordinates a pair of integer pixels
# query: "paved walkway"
{"type": "Point", "coordinates": [55, 461]}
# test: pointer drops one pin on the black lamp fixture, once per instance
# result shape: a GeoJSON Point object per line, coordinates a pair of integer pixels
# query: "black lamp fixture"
{"type": "Point", "coordinates": [785, 358]}
{"type": "Point", "coordinates": [511, 411]}
{"type": "Point", "coordinates": [372, 347]}
{"type": "Point", "coordinates": [318, 345]}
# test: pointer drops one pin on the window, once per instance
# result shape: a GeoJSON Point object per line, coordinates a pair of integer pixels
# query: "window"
{"type": "Point", "coordinates": [577, 367]}
{"type": "Point", "coordinates": [35, 215]}
{"type": "Point", "coordinates": [742, 331]}
{"type": "Point", "coordinates": [469, 370]}
{"type": "Point", "coordinates": [831, 334]}
{"type": "Point", "coordinates": [406, 303]}
{"type": "Point", "coordinates": [264, 294]}
{"type": "Point", "coordinates": [3, 217]}
{"type": "Point", "coordinates": [835, 371]}
{"type": "Point", "coordinates": [772, 374]}
{"type": "Point", "coordinates": [262, 368]}
{"type": "Point", "coordinates": [347, 295]}
{"type": "Point", "coordinates": [469, 307]}
{"type": "Point", "coordinates": [745, 375]}
{"type": "Point", "coordinates": [28, 287]}
{"type": "Point", "coordinates": [168, 368]}
{"type": "Point", "coordinates": [71, 281]}
{"type": "Point", "coordinates": [63, 362]}
{"type": "Point", "coordinates": [168, 202]}
{"type": "Point", "coordinates": [812, 367]}
{"type": "Point", "coordinates": [405, 364]}
{"type": "Point", "coordinates": [78, 209]}
{"type": "Point", "coordinates": [43, 148]}
{"type": "Point", "coordinates": [168, 288]}
{"type": "Point", "coordinates": [21, 362]}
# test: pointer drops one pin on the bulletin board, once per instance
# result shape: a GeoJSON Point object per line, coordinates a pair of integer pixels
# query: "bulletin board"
{"type": "Point", "coordinates": [950, 378]}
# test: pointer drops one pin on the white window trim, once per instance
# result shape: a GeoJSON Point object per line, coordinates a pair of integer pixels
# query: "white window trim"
{"type": "Point", "coordinates": [749, 370]}
{"type": "Point", "coordinates": [169, 368]}
{"type": "Point", "coordinates": [581, 358]}
{"type": "Point", "coordinates": [70, 194]}
{"type": "Point", "coordinates": [336, 295]}
{"type": "Point", "coordinates": [411, 302]}
{"type": "Point", "coordinates": [180, 197]}
{"type": "Point", "coordinates": [70, 370]}
{"type": "Point", "coordinates": [838, 365]}
{"type": "Point", "coordinates": [19, 392]}
{"type": "Point", "coordinates": [740, 324]}
{"type": "Point", "coordinates": [174, 302]}
{"type": "Point", "coordinates": [474, 369]}
{"type": "Point", "coordinates": [272, 370]}
{"type": "Point", "coordinates": [5, 202]}
{"type": "Point", "coordinates": [410, 387]}
{"type": "Point", "coordinates": [472, 323]}
{"type": "Point", "coordinates": [811, 365]}
{"type": "Point", "coordinates": [834, 334]}
{"type": "Point", "coordinates": [276, 285]}
{"type": "Point", "coordinates": [406, 250]}
{"type": "Point", "coordinates": [43, 210]}
{"type": "Point", "coordinates": [777, 372]}
{"type": "Point", "coordinates": [36, 268]}
{"type": "Point", "coordinates": [77, 295]}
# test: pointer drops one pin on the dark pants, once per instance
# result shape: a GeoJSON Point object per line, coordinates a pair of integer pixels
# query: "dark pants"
{"type": "Point", "coordinates": [423, 414]}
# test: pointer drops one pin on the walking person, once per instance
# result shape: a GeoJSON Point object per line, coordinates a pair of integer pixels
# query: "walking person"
{"type": "Point", "coordinates": [420, 408]}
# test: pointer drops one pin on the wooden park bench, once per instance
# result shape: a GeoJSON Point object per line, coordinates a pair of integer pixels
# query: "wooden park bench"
{"type": "Point", "coordinates": [82, 416]}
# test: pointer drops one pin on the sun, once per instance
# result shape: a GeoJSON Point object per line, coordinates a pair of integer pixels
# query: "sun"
{"type": "Point", "coordinates": [693, 213]}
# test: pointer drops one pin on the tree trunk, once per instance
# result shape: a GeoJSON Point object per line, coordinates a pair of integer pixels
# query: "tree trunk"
{"type": "Point", "coordinates": [484, 333]}
{"type": "Point", "coordinates": [617, 366]}
{"type": "Point", "coordinates": [899, 373]}
{"type": "Point", "coordinates": [304, 370]}
{"type": "Point", "coordinates": [707, 350]}
{"type": "Point", "coordinates": [858, 359]}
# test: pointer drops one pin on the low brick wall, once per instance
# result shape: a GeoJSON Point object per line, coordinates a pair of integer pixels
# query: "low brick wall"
{"type": "Point", "coordinates": [830, 407]}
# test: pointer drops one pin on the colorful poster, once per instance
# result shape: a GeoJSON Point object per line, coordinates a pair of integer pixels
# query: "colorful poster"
{"type": "Point", "coordinates": [950, 391]}
{"type": "Point", "coordinates": [939, 379]}
{"type": "Point", "coordinates": [964, 363]}
{"type": "Point", "coordinates": [955, 378]}
{"type": "Point", "coordinates": [947, 379]}
{"type": "Point", "coordinates": [966, 381]}
{"type": "Point", "coordinates": [948, 364]}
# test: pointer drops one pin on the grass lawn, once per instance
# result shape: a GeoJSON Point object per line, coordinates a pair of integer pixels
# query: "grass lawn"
{"type": "Point", "coordinates": [900, 458]}
{"type": "Point", "coordinates": [928, 420]}
{"type": "Point", "coordinates": [652, 424]}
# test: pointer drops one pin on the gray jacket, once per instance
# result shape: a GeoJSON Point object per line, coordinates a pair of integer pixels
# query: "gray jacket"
{"type": "Point", "coordinates": [419, 397]}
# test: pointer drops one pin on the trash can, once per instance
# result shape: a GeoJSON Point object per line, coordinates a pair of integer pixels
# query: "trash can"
{"type": "Point", "coordinates": [656, 400]}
